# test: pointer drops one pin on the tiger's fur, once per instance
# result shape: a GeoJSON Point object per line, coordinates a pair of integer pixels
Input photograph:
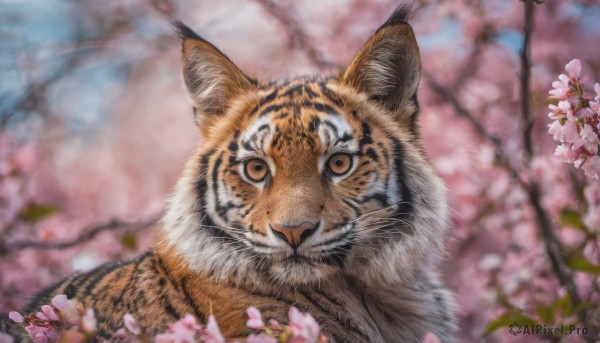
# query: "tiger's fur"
{"type": "Point", "coordinates": [366, 271]}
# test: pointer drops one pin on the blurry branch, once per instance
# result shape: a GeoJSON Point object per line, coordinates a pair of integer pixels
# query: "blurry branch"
{"type": "Point", "coordinates": [448, 95]}
{"type": "Point", "coordinates": [525, 90]}
{"type": "Point", "coordinates": [547, 229]}
{"type": "Point", "coordinates": [79, 52]}
{"type": "Point", "coordinates": [87, 235]}
{"type": "Point", "coordinates": [295, 32]}
{"type": "Point", "coordinates": [35, 93]}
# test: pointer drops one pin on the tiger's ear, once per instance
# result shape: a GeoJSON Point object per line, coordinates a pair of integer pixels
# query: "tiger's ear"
{"type": "Point", "coordinates": [210, 77]}
{"type": "Point", "coordinates": [388, 66]}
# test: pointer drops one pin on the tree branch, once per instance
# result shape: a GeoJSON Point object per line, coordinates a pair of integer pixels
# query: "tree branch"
{"type": "Point", "coordinates": [525, 56]}
{"type": "Point", "coordinates": [87, 235]}
{"type": "Point", "coordinates": [449, 96]}
{"type": "Point", "coordinates": [547, 229]}
{"type": "Point", "coordinates": [295, 33]}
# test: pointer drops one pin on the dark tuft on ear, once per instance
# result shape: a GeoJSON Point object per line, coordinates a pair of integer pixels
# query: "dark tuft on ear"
{"type": "Point", "coordinates": [388, 67]}
{"type": "Point", "coordinates": [183, 31]}
{"type": "Point", "coordinates": [212, 80]}
{"type": "Point", "coordinates": [402, 14]}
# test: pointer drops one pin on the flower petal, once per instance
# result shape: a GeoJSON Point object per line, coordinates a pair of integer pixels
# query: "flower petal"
{"type": "Point", "coordinates": [573, 68]}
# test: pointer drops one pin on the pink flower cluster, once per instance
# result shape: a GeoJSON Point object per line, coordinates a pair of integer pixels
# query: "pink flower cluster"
{"type": "Point", "coordinates": [303, 328]}
{"type": "Point", "coordinates": [62, 319]}
{"type": "Point", "coordinates": [576, 122]}
{"type": "Point", "coordinates": [185, 330]}
{"type": "Point", "coordinates": [67, 321]}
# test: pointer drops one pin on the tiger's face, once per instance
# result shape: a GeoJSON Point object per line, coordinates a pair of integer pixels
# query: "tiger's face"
{"type": "Point", "coordinates": [302, 179]}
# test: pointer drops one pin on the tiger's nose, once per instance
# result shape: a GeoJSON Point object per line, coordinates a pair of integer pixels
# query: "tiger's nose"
{"type": "Point", "coordinates": [294, 234]}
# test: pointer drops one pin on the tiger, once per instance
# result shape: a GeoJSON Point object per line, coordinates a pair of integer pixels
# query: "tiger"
{"type": "Point", "coordinates": [313, 192]}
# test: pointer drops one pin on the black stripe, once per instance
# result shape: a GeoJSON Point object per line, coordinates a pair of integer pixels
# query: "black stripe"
{"type": "Point", "coordinates": [202, 186]}
{"type": "Point", "coordinates": [133, 277]}
{"type": "Point", "coordinates": [345, 138]}
{"type": "Point", "coordinates": [339, 255]}
{"type": "Point", "coordinates": [215, 185]}
{"type": "Point", "coordinates": [321, 107]}
{"type": "Point", "coordinates": [163, 266]}
{"type": "Point", "coordinates": [233, 145]}
{"type": "Point", "coordinates": [315, 121]}
{"type": "Point", "coordinates": [372, 154]}
{"type": "Point", "coordinates": [101, 272]}
{"type": "Point", "coordinates": [331, 126]}
{"type": "Point", "coordinates": [294, 91]}
{"type": "Point", "coordinates": [335, 239]}
{"type": "Point", "coordinates": [384, 152]}
{"type": "Point", "coordinates": [190, 301]}
{"type": "Point", "coordinates": [330, 95]}
{"type": "Point", "coordinates": [355, 208]}
{"type": "Point", "coordinates": [274, 108]}
{"type": "Point", "coordinates": [406, 206]}
{"type": "Point", "coordinates": [366, 136]}
{"type": "Point", "coordinates": [381, 197]}
{"type": "Point", "coordinates": [166, 303]}
{"type": "Point", "coordinates": [269, 98]}
{"type": "Point", "coordinates": [309, 92]}
{"type": "Point", "coordinates": [43, 297]}
{"type": "Point", "coordinates": [347, 324]}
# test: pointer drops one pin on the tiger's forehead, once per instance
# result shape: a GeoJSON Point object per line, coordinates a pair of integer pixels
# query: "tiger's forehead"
{"type": "Point", "coordinates": [298, 115]}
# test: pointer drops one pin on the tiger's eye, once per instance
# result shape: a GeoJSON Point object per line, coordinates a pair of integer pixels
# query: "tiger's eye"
{"type": "Point", "coordinates": [256, 170]}
{"type": "Point", "coordinates": [339, 164]}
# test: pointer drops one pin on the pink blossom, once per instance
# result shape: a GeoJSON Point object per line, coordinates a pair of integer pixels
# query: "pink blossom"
{"type": "Point", "coordinates": [588, 140]}
{"type": "Point", "coordinates": [60, 302]}
{"type": "Point", "coordinates": [211, 333]}
{"type": "Point", "coordinates": [16, 317]}
{"type": "Point", "coordinates": [561, 89]}
{"type": "Point", "coordinates": [255, 321]}
{"type": "Point", "coordinates": [176, 337]}
{"type": "Point", "coordinates": [597, 90]}
{"type": "Point", "coordinates": [49, 312]}
{"type": "Point", "coordinates": [591, 167]}
{"type": "Point", "coordinates": [569, 131]}
{"type": "Point", "coordinates": [573, 68]}
{"type": "Point", "coordinates": [189, 322]}
{"type": "Point", "coordinates": [42, 334]}
{"type": "Point", "coordinates": [595, 107]}
{"type": "Point", "coordinates": [303, 326]}
{"type": "Point", "coordinates": [182, 331]}
{"type": "Point", "coordinates": [121, 333]}
{"type": "Point", "coordinates": [88, 321]}
{"type": "Point", "coordinates": [555, 129]}
{"type": "Point", "coordinates": [71, 313]}
{"type": "Point", "coordinates": [261, 338]}
{"type": "Point", "coordinates": [565, 154]}
{"type": "Point", "coordinates": [431, 338]}
{"type": "Point", "coordinates": [565, 106]}
{"type": "Point", "coordinates": [42, 316]}
{"type": "Point", "coordinates": [5, 338]}
{"type": "Point", "coordinates": [131, 324]}
{"type": "Point", "coordinates": [273, 324]}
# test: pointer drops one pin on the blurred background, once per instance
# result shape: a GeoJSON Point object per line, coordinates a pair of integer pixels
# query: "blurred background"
{"type": "Point", "coordinates": [95, 129]}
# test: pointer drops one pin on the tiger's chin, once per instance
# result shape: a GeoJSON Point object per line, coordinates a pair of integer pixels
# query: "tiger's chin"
{"type": "Point", "coordinates": [301, 270]}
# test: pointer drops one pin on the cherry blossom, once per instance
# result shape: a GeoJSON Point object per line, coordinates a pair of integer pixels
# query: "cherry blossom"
{"type": "Point", "coordinates": [211, 333]}
{"type": "Point", "coordinates": [578, 133]}
{"type": "Point", "coordinates": [131, 324]}
{"type": "Point", "coordinates": [255, 321]}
